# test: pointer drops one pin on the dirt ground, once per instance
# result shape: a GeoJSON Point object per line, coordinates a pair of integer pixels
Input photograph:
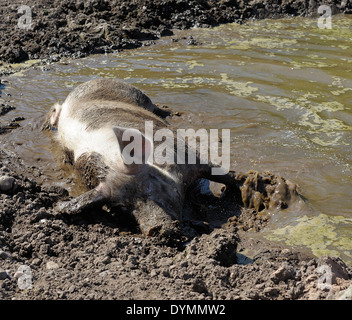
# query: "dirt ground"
{"type": "Point", "coordinates": [102, 255]}
{"type": "Point", "coordinates": [76, 28]}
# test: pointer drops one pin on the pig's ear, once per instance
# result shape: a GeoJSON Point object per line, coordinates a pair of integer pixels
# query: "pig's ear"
{"type": "Point", "coordinates": [135, 148]}
{"type": "Point", "coordinates": [56, 111]}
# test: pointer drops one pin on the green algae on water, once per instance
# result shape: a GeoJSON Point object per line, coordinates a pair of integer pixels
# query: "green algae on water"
{"type": "Point", "coordinates": [321, 233]}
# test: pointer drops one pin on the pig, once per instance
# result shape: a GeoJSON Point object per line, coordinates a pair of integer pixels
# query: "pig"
{"type": "Point", "coordinates": [90, 127]}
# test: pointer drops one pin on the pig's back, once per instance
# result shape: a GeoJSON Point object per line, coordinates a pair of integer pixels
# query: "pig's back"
{"type": "Point", "coordinates": [99, 114]}
{"type": "Point", "coordinates": [110, 90]}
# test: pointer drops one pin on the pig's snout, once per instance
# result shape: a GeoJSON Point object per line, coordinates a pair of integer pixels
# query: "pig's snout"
{"type": "Point", "coordinates": [155, 221]}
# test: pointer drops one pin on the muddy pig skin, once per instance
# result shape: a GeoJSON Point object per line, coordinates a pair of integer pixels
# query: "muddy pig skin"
{"type": "Point", "coordinates": [90, 125]}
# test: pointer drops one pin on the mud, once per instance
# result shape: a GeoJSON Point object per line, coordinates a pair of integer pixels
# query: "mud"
{"type": "Point", "coordinates": [102, 255]}
{"type": "Point", "coordinates": [79, 28]}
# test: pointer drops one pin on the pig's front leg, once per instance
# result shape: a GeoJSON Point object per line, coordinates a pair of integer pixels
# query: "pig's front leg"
{"type": "Point", "coordinates": [87, 200]}
{"type": "Point", "coordinates": [231, 179]}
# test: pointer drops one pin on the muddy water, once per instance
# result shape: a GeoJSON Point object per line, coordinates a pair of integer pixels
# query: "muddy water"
{"type": "Point", "coordinates": [283, 87]}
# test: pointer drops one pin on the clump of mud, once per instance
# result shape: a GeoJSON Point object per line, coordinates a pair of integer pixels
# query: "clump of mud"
{"type": "Point", "coordinates": [267, 191]}
{"type": "Point", "coordinates": [247, 207]}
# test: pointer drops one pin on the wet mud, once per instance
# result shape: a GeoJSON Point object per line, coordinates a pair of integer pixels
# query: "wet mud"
{"type": "Point", "coordinates": [102, 254]}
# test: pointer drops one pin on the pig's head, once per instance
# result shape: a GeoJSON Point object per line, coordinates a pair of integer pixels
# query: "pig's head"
{"type": "Point", "coordinates": [154, 192]}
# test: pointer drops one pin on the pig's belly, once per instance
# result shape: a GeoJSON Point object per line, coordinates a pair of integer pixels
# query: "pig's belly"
{"type": "Point", "coordinates": [73, 136]}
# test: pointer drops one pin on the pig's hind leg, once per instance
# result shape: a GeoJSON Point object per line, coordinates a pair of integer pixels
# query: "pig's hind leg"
{"type": "Point", "coordinates": [92, 172]}
{"type": "Point", "coordinates": [88, 200]}
{"type": "Point", "coordinates": [91, 169]}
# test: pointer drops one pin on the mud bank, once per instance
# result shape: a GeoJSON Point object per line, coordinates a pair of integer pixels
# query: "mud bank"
{"type": "Point", "coordinates": [78, 28]}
